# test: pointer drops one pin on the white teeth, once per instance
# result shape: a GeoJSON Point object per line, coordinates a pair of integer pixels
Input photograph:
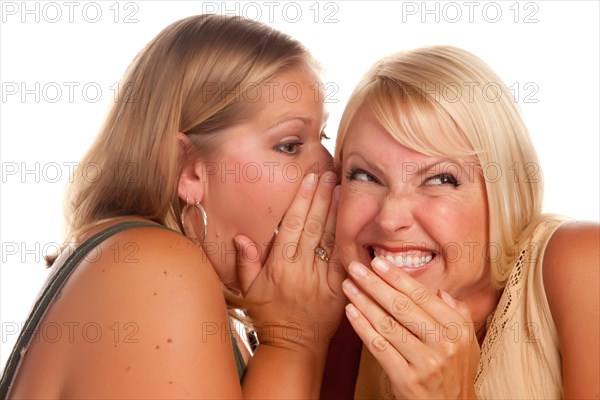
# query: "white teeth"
{"type": "Point", "coordinates": [404, 260]}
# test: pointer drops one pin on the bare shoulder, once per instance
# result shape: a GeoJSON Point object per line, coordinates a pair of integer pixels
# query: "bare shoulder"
{"type": "Point", "coordinates": [148, 258]}
{"type": "Point", "coordinates": [577, 241]}
{"type": "Point", "coordinates": [150, 246]}
{"type": "Point", "coordinates": [571, 262]}
{"type": "Point", "coordinates": [146, 317]}
{"type": "Point", "coordinates": [572, 283]}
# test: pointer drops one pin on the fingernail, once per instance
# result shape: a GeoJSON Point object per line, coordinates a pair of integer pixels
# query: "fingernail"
{"type": "Point", "coordinates": [380, 265]}
{"type": "Point", "coordinates": [352, 312]}
{"type": "Point", "coordinates": [311, 180]}
{"type": "Point", "coordinates": [349, 287]}
{"type": "Point", "coordinates": [357, 269]}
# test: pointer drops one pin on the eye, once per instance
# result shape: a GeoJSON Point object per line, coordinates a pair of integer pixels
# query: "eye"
{"type": "Point", "coordinates": [324, 136]}
{"type": "Point", "coordinates": [442, 179]}
{"type": "Point", "coordinates": [290, 148]}
{"type": "Point", "coordinates": [360, 175]}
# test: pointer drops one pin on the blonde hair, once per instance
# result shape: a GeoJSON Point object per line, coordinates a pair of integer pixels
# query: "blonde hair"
{"type": "Point", "coordinates": [194, 77]}
{"type": "Point", "coordinates": [415, 95]}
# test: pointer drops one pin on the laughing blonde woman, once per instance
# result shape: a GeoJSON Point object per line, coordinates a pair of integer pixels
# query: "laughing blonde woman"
{"type": "Point", "coordinates": [459, 286]}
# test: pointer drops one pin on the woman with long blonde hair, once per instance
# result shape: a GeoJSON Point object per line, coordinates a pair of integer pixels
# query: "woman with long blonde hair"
{"type": "Point", "coordinates": [459, 285]}
{"type": "Point", "coordinates": [216, 135]}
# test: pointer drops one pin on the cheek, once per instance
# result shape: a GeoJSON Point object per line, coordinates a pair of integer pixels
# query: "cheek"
{"type": "Point", "coordinates": [459, 228]}
{"type": "Point", "coordinates": [451, 220]}
{"type": "Point", "coordinates": [253, 207]}
{"type": "Point", "coordinates": [268, 199]}
{"type": "Point", "coordinates": [356, 211]}
{"type": "Point", "coordinates": [448, 217]}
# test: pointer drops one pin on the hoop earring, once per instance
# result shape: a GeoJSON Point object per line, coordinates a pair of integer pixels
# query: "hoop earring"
{"type": "Point", "coordinates": [190, 228]}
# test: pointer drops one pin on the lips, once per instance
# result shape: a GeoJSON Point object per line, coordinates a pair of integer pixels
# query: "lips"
{"type": "Point", "coordinates": [405, 257]}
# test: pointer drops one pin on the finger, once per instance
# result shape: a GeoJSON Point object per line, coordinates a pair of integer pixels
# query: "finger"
{"type": "Point", "coordinates": [293, 221]}
{"type": "Point", "coordinates": [336, 273]}
{"type": "Point", "coordinates": [410, 297]}
{"type": "Point", "coordinates": [396, 334]}
{"type": "Point", "coordinates": [398, 304]}
{"type": "Point", "coordinates": [328, 237]}
{"type": "Point", "coordinates": [314, 225]}
{"type": "Point", "coordinates": [248, 261]}
{"type": "Point", "coordinates": [385, 354]}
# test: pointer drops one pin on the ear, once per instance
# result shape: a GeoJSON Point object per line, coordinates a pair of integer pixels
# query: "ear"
{"type": "Point", "coordinates": [191, 179]}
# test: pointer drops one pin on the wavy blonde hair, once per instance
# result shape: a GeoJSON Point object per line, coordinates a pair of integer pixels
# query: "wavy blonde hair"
{"type": "Point", "coordinates": [194, 77]}
{"type": "Point", "coordinates": [417, 94]}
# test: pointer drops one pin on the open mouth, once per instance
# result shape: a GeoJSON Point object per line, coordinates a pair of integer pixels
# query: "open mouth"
{"type": "Point", "coordinates": [406, 258]}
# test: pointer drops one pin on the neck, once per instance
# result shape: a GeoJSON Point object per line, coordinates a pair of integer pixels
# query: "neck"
{"type": "Point", "coordinates": [482, 306]}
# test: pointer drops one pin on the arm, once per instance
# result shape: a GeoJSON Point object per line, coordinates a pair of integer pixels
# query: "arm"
{"type": "Point", "coordinates": [572, 280]}
{"type": "Point", "coordinates": [164, 330]}
{"type": "Point", "coordinates": [146, 318]}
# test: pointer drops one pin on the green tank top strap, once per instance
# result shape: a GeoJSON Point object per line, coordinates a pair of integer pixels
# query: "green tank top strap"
{"type": "Point", "coordinates": [240, 364]}
{"type": "Point", "coordinates": [49, 292]}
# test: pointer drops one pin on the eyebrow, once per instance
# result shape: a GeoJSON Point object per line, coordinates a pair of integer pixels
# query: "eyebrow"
{"type": "Point", "coordinates": [304, 120]}
{"type": "Point", "coordinates": [421, 170]}
{"type": "Point", "coordinates": [371, 166]}
{"type": "Point", "coordinates": [424, 168]}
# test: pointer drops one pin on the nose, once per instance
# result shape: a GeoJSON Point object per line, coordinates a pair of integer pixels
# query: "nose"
{"type": "Point", "coordinates": [395, 213]}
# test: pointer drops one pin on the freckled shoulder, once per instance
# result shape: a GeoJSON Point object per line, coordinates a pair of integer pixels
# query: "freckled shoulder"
{"type": "Point", "coordinates": [159, 318]}
{"type": "Point", "coordinates": [144, 257]}
{"type": "Point", "coordinates": [572, 282]}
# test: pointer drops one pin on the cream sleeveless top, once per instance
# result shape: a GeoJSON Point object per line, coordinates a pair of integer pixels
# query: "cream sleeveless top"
{"type": "Point", "coordinates": [520, 355]}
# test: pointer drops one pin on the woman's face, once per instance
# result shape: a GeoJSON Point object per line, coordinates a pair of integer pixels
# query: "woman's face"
{"type": "Point", "coordinates": [252, 178]}
{"type": "Point", "coordinates": [428, 215]}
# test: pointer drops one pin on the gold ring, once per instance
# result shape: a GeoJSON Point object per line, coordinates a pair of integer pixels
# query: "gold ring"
{"type": "Point", "coordinates": [322, 254]}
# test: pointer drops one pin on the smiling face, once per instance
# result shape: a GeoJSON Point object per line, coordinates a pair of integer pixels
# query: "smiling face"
{"type": "Point", "coordinates": [425, 214]}
{"type": "Point", "coordinates": [253, 176]}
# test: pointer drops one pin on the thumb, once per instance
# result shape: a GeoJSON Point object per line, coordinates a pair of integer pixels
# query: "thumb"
{"type": "Point", "coordinates": [248, 261]}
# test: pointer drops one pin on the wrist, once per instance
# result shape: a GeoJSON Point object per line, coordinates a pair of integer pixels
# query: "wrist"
{"type": "Point", "coordinates": [313, 337]}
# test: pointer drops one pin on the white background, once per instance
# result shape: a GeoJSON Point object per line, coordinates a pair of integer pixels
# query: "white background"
{"type": "Point", "coordinates": [546, 51]}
